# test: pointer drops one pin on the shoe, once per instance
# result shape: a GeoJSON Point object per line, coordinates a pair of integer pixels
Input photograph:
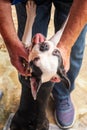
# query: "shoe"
{"type": "Point", "coordinates": [64, 113]}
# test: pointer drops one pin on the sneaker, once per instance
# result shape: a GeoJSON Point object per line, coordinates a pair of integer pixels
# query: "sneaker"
{"type": "Point", "coordinates": [64, 113]}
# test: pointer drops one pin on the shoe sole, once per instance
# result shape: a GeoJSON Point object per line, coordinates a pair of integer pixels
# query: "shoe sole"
{"type": "Point", "coordinates": [64, 127]}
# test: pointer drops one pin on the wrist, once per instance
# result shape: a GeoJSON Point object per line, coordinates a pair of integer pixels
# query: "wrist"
{"type": "Point", "coordinates": [65, 52]}
{"type": "Point", "coordinates": [12, 44]}
{"type": "Point", "coordinates": [11, 41]}
{"type": "Point", "coordinates": [64, 46]}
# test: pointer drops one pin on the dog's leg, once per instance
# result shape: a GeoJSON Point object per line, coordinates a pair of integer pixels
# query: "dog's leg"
{"type": "Point", "coordinates": [31, 13]}
{"type": "Point", "coordinates": [26, 115]}
{"type": "Point", "coordinates": [31, 114]}
{"type": "Point", "coordinates": [42, 102]}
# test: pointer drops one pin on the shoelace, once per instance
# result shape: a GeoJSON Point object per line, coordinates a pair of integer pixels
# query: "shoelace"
{"type": "Point", "coordinates": [64, 104]}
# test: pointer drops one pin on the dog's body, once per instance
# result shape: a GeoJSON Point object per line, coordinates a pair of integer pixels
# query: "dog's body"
{"type": "Point", "coordinates": [46, 63]}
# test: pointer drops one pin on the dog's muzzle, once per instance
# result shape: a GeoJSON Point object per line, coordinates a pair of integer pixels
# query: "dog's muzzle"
{"type": "Point", "coordinates": [44, 46]}
{"type": "Point", "coordinates": [35, 79]}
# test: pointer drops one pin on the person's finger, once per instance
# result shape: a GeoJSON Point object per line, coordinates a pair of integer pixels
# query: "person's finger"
{"type": "Point", "coordinates": [25, 53]}
{"type": "Point", "coordinates": [20, 67]}
{"type": "Point", "coordinates": [41, 38]}
{"type": "Point", "coordinates": [25, 65]}
{"type": "Point", "coordinates": [38, 38]}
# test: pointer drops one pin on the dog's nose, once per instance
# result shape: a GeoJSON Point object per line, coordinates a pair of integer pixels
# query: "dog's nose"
{"type": "Point", "coordinates": [44, 46]}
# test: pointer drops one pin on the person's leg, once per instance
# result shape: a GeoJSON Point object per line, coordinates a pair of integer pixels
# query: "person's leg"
{"type": "Point", "coordinates": [42, 18]}
{"type": "Point", "coordinates": [41, 21]}
{"type": "Point", "coordinates": [61, 13]}
{"type": "Point", "coordinates": [77, 57]}
{"type": "Point", "coordinates": [64, 106]}
{"type": "Point", "coordinates": [21, 18]}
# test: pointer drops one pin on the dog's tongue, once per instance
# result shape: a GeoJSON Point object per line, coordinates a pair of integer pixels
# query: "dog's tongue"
{"type": "Point", "coordinates": [34, 87]}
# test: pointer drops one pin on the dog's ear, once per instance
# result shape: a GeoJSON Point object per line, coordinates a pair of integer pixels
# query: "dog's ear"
{"type": "Point", "coordinates": [56, 38]}
{"type": "Point", "coordinates": [62, 74]}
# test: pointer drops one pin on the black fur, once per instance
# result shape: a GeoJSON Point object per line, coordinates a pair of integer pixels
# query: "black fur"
{"type": "Point", "coordinates": [61, 71]}
{"type": "Point", "coordinates": [31, 114]}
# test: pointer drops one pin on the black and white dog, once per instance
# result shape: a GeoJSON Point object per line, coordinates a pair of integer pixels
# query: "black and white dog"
{"type": "Point", "coordinates": [46, 67]}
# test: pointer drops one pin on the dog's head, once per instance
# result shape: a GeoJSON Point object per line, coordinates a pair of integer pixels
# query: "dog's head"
{"type": "Point", "coordinates": [47, 65]}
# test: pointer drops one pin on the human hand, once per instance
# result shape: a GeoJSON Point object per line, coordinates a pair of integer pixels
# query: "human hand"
{"type": "Point", "coordinates": [38, 38]}
{"type": "Point", "coordinates": [18, 54]}
{"type": "Point", "coordinates": [65, 53]}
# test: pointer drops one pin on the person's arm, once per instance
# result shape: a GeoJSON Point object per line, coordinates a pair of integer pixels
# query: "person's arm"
{"type": "Point", "coordinates": [15, 47]}
{"type": "Point", "coordinates": [76, 22]}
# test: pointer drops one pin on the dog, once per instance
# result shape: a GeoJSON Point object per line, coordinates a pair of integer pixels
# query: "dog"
{"type": "Point", "coordinates": [46, 67]}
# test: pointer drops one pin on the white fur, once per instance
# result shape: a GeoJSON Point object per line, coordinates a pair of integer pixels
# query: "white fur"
{"type": "Point", "coordinates": [31, 14]}
{"type": "Point", "coordinates": [48, 63]}
{"type": "Point", "coordinates": [56, 38]}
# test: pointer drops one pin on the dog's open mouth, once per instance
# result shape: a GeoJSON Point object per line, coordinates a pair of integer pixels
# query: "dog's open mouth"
{"type": "Point", "coordinates": [35, 86]}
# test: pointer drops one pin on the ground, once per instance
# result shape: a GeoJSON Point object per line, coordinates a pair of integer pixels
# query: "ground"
{"type": "Point", "coordinates": [11, 87]}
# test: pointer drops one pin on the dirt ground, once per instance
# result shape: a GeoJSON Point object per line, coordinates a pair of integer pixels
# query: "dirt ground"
{"type": "Point", "coordinates": [10, 86]}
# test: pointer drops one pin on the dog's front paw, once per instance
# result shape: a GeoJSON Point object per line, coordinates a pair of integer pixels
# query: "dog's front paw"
{"type": "Point", "coordinates": [31, 9]}
{"type": "Point", "coordinates": [43, 125]}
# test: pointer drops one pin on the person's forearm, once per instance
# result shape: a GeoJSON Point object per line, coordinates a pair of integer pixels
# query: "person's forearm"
{"type": "Point", "coordinates": [76, 22]}
{"type": "Point", "coordinates": [7, 29]}
{"type": "Point", "coordinates": [16, 50]}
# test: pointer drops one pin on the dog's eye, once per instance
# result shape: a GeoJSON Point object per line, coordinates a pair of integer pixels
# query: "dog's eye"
{"type": "Point", "coordinates": [56, 52]}
{"type": "Point", "coordinates": [36, 59]}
